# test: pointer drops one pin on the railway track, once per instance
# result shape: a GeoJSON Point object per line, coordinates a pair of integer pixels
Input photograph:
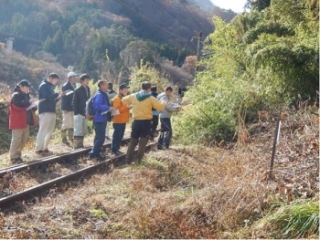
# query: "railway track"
{"type": "Point", "coordinates": [52, 159]}
{"type": "Point", "coordinates": [40, 189]}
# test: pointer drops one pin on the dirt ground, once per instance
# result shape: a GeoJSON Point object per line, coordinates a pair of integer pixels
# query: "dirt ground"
{"type": "Point", "coordinates": [183, 192]}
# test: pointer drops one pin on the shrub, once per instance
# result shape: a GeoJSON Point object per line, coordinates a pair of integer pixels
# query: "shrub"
{"type": "Point", "coordinates": [147, 73]}
{"type": "Point", "coordinates": [298, 220]}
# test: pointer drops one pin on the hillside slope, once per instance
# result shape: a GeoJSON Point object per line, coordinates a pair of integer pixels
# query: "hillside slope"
{"type": "Point", "coordinates": [81, 33]}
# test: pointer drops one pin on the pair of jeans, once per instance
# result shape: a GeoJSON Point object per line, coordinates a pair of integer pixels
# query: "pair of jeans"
{"type": "Point", "coordinates": [154, 124]}
{"type": "Point", "coordinates": [165, 133]}
{"type": "Point", "coordinates": [118, 134]}
{"type": "Point", "coordinates": [100, 131]}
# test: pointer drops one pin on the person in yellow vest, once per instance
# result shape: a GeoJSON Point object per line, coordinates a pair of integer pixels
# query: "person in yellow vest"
{"type": "Point", "coordinates": [142, 104]}
{"type": "Point", "coordinates": [120, 119]}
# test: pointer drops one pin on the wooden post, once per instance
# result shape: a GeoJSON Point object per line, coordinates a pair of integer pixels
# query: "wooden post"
{"type": "Point", "coordinates": [275, 141]}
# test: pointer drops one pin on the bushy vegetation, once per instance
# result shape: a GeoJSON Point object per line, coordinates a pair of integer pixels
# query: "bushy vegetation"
{"type": "Point", "coordinates": [147, 73]}
{"type": "Point", "coordinates": [261, 60]}
{"type": "Point", "coordinates": [297, 220]}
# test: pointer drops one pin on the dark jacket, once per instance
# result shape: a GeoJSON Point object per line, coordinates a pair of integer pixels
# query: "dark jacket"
{"type": "Point", "coordinates": [154, 112]}
{"type": "Point", "coordinates": [46, 91]}
{"type": "Point", "coordinates": [80, 97]}
{"type": "Point", "coordinates": [101, 104]}
{"type": "Point", "coordinates": [66, 101]}
{"type": "Point", "coordinates": [111, 94]}
{"type": "Point", "coordinates": [18, 113]}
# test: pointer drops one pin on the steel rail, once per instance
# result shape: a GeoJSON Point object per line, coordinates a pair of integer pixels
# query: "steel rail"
{"type": "Point", "coordinates": [51, 159]}
{"type": "Point", "coordinates": [79, 174]}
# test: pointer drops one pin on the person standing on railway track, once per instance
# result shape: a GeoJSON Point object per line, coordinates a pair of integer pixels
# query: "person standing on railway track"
{"type": "Point", "coordinates": [142, 104]}
{"type": "Point", "coordinates": [18, 121]}
{"type": "Point", "coordinates": [119, 120]}
{"type": "Point", "coordinates": [80, 97]}
{"type": "Point", "coordinates": [155, 115]}
{"type": "Point", "coordinates": [165, 115]}
{"type": "Point", "coordinates": [67, 109]}
{"type": "Point", "coordinates": [165, 118]}
{"type": "Point", "coordinates": [111, 94]}
{"type": "Point", "coordinates": [101, 105]}
{"type": "Point", "coordinates": [47, 112]}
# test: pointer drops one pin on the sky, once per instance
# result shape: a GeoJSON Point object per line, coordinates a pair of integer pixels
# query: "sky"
{"type": "Point", "coordinates": [234, 5]}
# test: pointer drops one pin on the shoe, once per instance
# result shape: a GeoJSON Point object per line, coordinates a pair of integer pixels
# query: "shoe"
{"type": "Point", "coordinates": [101, 158]}
{"type": "Point", "coordinates": [89, 157]}
{"type": "Point", "coordinates": [78, 143]}
{"type": "Point", "coordinates": [17, 160]}
{"type": "Point", "coordinates": [46, 151]}
{"type": "Point", "coordinates": [39, 152]}
{"type": "Point", "coordinates": [70, 135]}
{"type": "Point", "coordinates": [118, 153]}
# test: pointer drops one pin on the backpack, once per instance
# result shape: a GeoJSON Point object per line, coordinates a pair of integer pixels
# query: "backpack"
{"type": "Point", "coordinates": [89, 109]}
{"type": "Point", "coordinates": [109, 115]}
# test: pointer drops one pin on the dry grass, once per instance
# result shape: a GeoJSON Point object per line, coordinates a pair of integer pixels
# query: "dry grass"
{"type": "Point", "coordinates": [184, 192]}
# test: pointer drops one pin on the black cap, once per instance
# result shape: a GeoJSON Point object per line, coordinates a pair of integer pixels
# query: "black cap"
{"type": "Point", "coordinates": [24, 83]}
{"type": "Point", "coordinates": [153, 89]}
{"type": "Point", "coordinates": [123, 86]}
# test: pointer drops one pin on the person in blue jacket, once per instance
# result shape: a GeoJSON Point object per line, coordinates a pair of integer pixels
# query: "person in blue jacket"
{"type": "Point", "coordinates": [101, 105]}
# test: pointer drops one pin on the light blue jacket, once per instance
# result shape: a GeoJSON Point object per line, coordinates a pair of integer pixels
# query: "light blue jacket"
{"type": "Point", "coordinates": [170, 108]}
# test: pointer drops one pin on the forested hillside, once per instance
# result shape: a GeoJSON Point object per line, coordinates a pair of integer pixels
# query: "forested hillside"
{"type": "Point", "coordinates": [95, 36]}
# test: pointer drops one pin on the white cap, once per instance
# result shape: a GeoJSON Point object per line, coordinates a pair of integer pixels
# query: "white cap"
{"type": "Point", "coordinates": [72, 74]}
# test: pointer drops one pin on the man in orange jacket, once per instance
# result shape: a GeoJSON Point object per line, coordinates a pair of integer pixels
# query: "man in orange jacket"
{"type": "Point", "coordinates": [120, 119]}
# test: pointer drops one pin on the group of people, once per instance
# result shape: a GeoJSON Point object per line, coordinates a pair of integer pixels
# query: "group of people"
{"type": "Point", "coordinates": [106, 105]}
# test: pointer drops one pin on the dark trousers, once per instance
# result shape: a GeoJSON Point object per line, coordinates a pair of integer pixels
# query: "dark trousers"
{"type": "Point", "coordinates": [165, 133]}
{"type": "Point", "coordinates": [140, 129]}
{"type": "Point", "coordinates": [154, 125]}
{"type": "Point", "coordinates": [118, 133]}
{"type": "Point", "coordinates": [100, 131]}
